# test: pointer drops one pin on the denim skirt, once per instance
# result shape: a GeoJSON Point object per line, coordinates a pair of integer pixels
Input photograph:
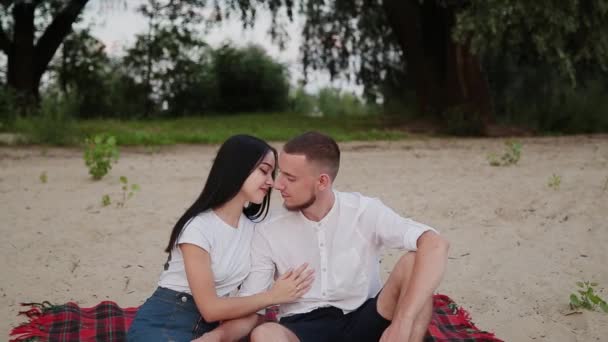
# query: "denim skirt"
{"type": "Point", "coordinates": [168, 316]}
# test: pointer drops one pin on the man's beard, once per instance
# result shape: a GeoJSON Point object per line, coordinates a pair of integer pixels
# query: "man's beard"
{"type": "Point", "coordinates": [302, 206]}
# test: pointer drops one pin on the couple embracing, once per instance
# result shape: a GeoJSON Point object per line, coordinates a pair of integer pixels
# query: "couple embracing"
{"type": "Point", "coordinates": [316, 257]}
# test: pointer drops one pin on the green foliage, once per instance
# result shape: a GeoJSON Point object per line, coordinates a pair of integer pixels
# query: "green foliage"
{"type": "Point", "coordinates": [53, 123]}
{"type": "Point", "coordinates": [100, 152]}
{"type": "Point", "coordinates": [248, 80]}
{"type": "Point", "coordinates": [8, 107]}
{"type": "Point", "coordinates": [563, 33]}
{"type": "Point", "coordinates": [81, 69]}
{"type": "Point", "coordinates": [329, 102]}
{"type": "Point", "coordinates": [303, 103]}
{"type": "Point", "coordinates": [587, 298]}
{"type": "Point", "coordinates": [510, 156]}
{"type": "Point", "coordinates": [106, 200]}
{"type": "Point", "coordinates": [532, 95]}
{"type": "Point", "coordinates": [554, 182]}
{"type": "Point", "coordinates": [216, 129]}
{"type": "Point", "coordinates": [333, 102]}
{"type": "Point", "coordinates": [128, 190]}
{"type": "Point", "coordinates": [43, 177]}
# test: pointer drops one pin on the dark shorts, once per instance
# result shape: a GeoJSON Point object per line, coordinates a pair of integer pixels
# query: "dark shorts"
{"type": "Point", "coordinates": [168, 316]}
{"type": "Point", "coordinates": [330, 324]}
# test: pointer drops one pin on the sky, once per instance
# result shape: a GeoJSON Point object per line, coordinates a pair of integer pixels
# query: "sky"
{"type": "Point", "coordinates": [118, 24]}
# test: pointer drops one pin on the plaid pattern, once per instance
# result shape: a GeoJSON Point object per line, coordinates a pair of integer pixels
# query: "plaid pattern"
{"type": "Point", "coordinates": [108, 322]}
{"type": "Point", "coordinates": [453, 324]}
{"type": "Point", "coordinates": [105, 322]}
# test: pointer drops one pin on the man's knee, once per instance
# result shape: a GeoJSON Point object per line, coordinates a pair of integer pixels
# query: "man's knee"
{"type": "Point", "coordinates": [405, 265]}
{"type": "Point", "coordinates": [268, 332]}
{"type": "Point", "coordinates": [396, 283]}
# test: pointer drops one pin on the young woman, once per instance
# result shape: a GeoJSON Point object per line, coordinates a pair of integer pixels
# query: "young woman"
{"type": "Point", "coordinates": [209, 251]}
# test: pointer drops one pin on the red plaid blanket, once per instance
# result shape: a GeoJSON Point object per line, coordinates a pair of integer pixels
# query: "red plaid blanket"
{"type": "Point", "coordinates": [108, 322]}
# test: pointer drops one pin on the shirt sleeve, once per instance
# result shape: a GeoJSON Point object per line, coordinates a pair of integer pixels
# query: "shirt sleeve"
{"type": "Point", "coordinates": [390, 229]}
{"type": "Point", "coordinates": [261, 275]}
{"type": "Point", "coordinates": [194, 233]}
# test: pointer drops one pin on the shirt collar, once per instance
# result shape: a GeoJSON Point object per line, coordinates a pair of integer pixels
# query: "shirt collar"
{"type": "Point", "coordinates": [327, 217]}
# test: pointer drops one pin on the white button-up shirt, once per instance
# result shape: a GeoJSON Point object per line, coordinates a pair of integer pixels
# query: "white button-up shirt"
{"type": "Point", "coordinates": [343, 249]}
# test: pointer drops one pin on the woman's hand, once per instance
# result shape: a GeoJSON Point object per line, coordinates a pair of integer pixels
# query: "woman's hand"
{"type": "Point", "coordinates": [292, 285]}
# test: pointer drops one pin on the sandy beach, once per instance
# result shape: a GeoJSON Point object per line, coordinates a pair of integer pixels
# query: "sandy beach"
{"type": "Point", "coordinates": [518, 246]}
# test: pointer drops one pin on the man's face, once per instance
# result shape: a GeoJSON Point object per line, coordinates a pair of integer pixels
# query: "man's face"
{"type": "Point", "coordinates": [297, 181]}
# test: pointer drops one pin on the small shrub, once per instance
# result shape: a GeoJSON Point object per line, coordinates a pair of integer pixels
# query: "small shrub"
{"type": "Point", "coordinates": [105, 200]}
{"type": "Point", "coordinates": [510, 156]}
{"type": "Point", "coordinates": [43, 177]}
{"type": "Point", "coordinates": [554, 182]}
{"type": "Point", "coordinates": [99, 154]}
{"type": "Point", "coordinates": [128, 190]}
{"type": "Point", "coordinates": [303, 103]}
{"type": "Point", "coordinates": [587, 298]}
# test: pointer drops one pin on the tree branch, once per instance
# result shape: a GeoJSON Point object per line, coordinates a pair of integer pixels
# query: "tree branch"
{"type": "Point", "coordinates": [5, 42]}
{"type": "Point", "coordinates": [55, 33]}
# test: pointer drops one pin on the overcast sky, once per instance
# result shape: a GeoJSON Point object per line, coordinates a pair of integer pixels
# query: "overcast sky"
{"type": "Point", "coordinates": [117, 26]}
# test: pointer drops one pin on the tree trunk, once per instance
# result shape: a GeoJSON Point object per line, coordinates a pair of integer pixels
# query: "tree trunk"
{"type": "Point", "coordinates": [28, 61]}
{"type": "Point", "coordinates": [21, 67]}
{"type": "Point", "coordinates": [447, 76]}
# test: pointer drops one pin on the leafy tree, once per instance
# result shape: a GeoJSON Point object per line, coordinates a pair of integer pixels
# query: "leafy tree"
{"type": "Point", "coordinates": [248, 80]}
{"type": "Point", "coordinates": [440, 44]}
{"type": "Point", "coordinates": [81, 69]}
{"type": "Point", "coordinates": [31, 31]}
{"type": "Point", "coordinates": [169, 53]}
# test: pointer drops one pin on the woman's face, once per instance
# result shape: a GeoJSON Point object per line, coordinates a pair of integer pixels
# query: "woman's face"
{"type": "Point", "coordinates": [260, 181]}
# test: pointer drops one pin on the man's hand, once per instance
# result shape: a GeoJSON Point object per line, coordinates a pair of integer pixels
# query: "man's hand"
{"type": "Point", "coordinates": [398, 331]}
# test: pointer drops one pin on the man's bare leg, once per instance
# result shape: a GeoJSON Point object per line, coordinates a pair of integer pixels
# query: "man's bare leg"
{"type": "Point", "coordinates": [395, 287]}
{"type": "Point", "coordinates": [272, 332]}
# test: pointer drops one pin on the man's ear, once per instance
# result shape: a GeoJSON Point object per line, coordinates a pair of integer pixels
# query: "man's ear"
{"type": "Point", "coordinates": [324, 181]}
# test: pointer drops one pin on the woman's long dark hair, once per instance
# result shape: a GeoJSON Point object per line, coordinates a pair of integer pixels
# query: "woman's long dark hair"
{"type": "Point", "coordinates": [236, 159]}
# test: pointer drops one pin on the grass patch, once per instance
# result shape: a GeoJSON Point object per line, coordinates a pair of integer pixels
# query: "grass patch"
{"type": "Point", "coordinates": [215, 129]}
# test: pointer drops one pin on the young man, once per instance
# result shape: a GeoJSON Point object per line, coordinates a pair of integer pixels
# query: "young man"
{"type": "Point", "coordinates": [340, 236]}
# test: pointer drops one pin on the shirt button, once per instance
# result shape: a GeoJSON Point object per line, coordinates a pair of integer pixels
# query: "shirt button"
{"type": "Point", "coordinates": [324, 294]}
{"type": "Point", "coordinates": [321, 244]}
{"type": "Point", "coordinates": [324, 269]}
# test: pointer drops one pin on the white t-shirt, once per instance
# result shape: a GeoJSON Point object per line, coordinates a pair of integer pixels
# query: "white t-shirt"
{"type": "Point", "coordinates": [343, 249]}
{"type": "Point", "coordinates": [228, 247]}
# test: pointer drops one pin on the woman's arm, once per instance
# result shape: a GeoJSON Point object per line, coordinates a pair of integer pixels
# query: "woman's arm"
{"type": "Point", "coordinates": [213, 308]}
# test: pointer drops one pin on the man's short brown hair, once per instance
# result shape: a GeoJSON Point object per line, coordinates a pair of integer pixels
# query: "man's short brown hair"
{"type": "Point", "coordinates": [318, 148]}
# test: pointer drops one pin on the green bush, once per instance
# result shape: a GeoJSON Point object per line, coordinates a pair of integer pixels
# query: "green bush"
{"type": "Point", "coordinates": [333, 102]}
{"type": "Point", "coordinates": [248, 80]}
{"type": "Point", "coordinates": [125, 98]}
{"type": "Point", "coordinates": [100, 152]}
{"type": "Point", "coordinates": [303, 103]}
{"type": "Point", "coordinates": [531, 94]}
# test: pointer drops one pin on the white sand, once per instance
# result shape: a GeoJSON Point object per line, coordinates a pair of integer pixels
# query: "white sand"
{"type": "Point", "coordinates": [518, 246]}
